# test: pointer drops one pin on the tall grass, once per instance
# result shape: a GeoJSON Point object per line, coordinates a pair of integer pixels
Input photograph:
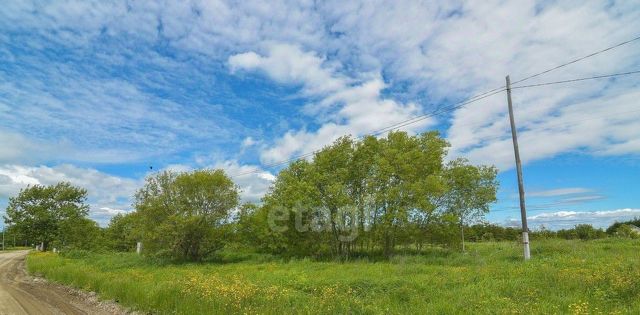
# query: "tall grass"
{"type": "Point", "coordinates": [574, 277]}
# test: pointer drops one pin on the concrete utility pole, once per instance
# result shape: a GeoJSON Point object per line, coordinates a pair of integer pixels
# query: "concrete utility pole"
{"type": "Point", "coordinates": [523, 210]}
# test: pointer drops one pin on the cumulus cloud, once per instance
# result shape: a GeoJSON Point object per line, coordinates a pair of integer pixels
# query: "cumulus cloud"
{"type": "Point", "coordinates": [107, 194]}
{"type": "Point", "coordinates": [435, 52]}
{"type": "Point", "coordinates": [253, 181]}
{"type": "Point", "coordinates": [568, 219]}
{"type": "Point", "coordinates": [346, 105]}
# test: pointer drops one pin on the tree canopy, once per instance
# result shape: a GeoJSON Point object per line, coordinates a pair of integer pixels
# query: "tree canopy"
{"type": "Point", "coordinates": [186, 215]}
{"type": "Point", "coordinates": [48, 214]}
{"type": "Point", "coordinates": [376, 193]}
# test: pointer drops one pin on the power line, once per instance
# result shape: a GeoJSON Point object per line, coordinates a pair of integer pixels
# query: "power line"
{"type": "Point", "coordinates": [502, 88]}
{"type": "Point", "coordinates": [435, 113]}
{"type": "Point", "coordinates": [389, 128]}
{"type": "Point", "coordinates": [567, 123]}
{"type": "Point", "coordinates": [451, 108]}
{"type": "Point", "coordinates": [576, 80]}
{"type": "Point", "coordinates": [577, 60]}
{"type": "Point", "coordinates": [460, 104]}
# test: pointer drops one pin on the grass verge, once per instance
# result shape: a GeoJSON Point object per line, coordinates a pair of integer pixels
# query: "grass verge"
{"type": "Point", "coordinates": [574, 277]}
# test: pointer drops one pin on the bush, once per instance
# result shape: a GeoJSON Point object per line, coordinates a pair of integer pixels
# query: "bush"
{"type": "Point", "coordinates": [587, 232]}
{"type": "Point", "coordinates": [627, 231]}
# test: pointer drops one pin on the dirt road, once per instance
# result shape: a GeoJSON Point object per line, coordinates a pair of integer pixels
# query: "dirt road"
{"type": "Point", "coordinates": [20, 294]}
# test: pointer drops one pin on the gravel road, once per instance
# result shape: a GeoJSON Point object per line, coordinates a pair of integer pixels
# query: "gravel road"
{"type": "Point", "coordinates": [22, 294]}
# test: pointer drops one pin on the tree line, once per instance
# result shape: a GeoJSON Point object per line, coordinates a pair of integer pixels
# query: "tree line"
{"type": "Point", "coordinates": [372, 196]}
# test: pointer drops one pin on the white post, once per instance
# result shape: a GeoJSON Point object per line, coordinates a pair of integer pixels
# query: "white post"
{"type": "Point", "coordinates": [139, 248]}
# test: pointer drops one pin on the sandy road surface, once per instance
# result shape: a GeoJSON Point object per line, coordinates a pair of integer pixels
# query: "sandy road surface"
{"type": "Point", "coordinates": [20, 294]}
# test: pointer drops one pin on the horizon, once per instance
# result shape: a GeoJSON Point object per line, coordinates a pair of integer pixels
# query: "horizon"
{"type": "Point", "coordinates": [96, 94]}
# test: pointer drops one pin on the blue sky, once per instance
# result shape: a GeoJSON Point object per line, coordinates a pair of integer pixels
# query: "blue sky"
{"type": "Point", "coordinates": [95, 93]}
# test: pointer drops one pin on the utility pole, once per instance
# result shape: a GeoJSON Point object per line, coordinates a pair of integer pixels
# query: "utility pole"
{"type": "Point", "coordinates": [523, 210]}
{"type": "Point", "coordinates": [3, 238]}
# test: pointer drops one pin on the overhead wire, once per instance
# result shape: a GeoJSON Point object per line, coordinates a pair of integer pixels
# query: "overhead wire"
{"type": "Point", "coordinates": [468, 101]}
{"type": "Point", "coordinates": [392, 127]}
{"type": "Point", "coordinates": [577, 60]}
{"type": "Point", "coordinates": [577, 79]}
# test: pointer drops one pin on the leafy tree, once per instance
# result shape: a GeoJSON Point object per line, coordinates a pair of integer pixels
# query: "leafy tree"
{"type": "Point", "coordinates": [377, 193]}
{"type": "Point", "coordinates": [294, 213]}
{"type": "Point", "coordinates": [611, 230]}
{"type": "Point", "coordinates": [123, 232]}
{"type": "Point", "coordinates": [371, 195]}
{"type": "Point", "coordinates": [44, 214]}
{"type": "Point", "coordinates": [405, 179]}
{"type": "Point", "coordinates": [588, 232]}
{"type": "Point", "coordinates": [186, 215]}
{"type": "Point", "coordinates": [627, 231]}
{"type": "Point", "coordinates": [82, 233]}
{"type": "Point", "coordinates": [470, 191]}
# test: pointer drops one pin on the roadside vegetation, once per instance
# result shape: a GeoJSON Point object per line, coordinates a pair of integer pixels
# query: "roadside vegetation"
{"type": "Point", "coordinates": [377, 225]}
{"type": "Point", "coordinates": [564, 277]}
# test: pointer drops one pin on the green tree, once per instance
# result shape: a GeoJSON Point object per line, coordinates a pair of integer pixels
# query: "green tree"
{"type": "Point", "coordinates": [186, 215]}
{"type": "Point", "coordinates": [373, 189]}
{"type": "Point", "coordinates": [470, 191]}
{"type": "Point", "coordinates": [405, 179]}
{"type": "Point", "coordinates": [44, 214]}
{"type": "Point", "coordinates": [627, 231]}
{"type": "Point", "coordinates": [123, 232]}
{"type": "Point", "coordinates": [81, 233]}
{"type": "Point", "coordinates": [588, 232]}
{"type": "Point", "coordinates": [294, 213]}
{"type": "Point", "coordinates": [375, 194]}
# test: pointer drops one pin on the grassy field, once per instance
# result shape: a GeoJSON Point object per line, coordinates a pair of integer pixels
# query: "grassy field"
{"type": "Point", "coordinates": [564, 277]}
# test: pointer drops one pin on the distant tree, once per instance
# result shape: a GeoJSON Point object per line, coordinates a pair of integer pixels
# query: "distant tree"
{"type": "Point", "coordinates": [627, 231]}
{"type": "Point", "coordinates": [123, 232]}
{"type": "Point", "coordinates": [82, 233]}
{"type": "Point", "coordinates": [470, 191]}
{"type": "Point", "coordinates": [611, 230]}
{"type": "Point", "coordinates": [44, 214]}
{"type": "Point", "coordinates": [186, 215]}
{"type": "Point", "coordinates": [252, 230]}
{"type": "Point", "coordinates": [543, 233]}
{"type": "Point", "coordinates": [588, 232]}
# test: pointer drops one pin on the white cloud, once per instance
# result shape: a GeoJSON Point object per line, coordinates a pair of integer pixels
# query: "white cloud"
{"type": "Point", "coordinates": [580, 199]}
{"type": "Point", "coordinates": [347, 105]}
{"type": "Point", "coordinates": [107, 194]}
{"type": "Point", "coordinates": [253, 181]}
{"type": "Point", "coordinates": [110, 211]}
{"type": "Point", "coordinates": [178, 168]}
{"type": "Point", "coordinates": [568, 219]}
{"type": "Point", "coordinates": [558, 192]}
{"type": "Point", "coordinates": [440, 50]}
{"type": "Point", "coordinates": [248, 142]}
{"type": "Point", "coordinates": [289, 64]}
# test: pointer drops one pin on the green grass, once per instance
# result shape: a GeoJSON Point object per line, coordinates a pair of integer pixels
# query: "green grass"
{"type": "Point", "coordinates": [574, 277]}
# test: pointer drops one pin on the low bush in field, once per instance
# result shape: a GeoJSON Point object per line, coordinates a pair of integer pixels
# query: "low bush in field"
{"type": "Point", "coordinates": [575, 277]}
